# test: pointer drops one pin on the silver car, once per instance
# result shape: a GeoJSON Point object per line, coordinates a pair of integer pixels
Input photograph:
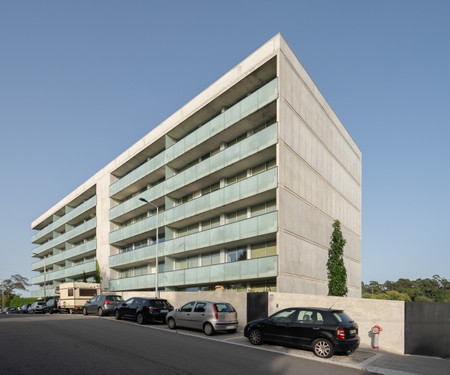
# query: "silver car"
{"type": "Point", "coordinates": [103, 304]}
{"type": "Point", "coordinates": [204, 315]}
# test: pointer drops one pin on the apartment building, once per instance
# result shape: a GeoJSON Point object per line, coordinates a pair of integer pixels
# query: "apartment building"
{"type": "Point", "coordinates": [248, 178]}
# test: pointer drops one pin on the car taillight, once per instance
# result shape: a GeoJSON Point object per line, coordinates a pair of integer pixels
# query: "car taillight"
{"type": "Point", "coordinates": [215, 312]}
{"type": "Point", "coordinates": [107, 303]}
{"type": "Point", "coordinates": [150, 308]}
{"type": "Point", "coordinates": [341, 333]}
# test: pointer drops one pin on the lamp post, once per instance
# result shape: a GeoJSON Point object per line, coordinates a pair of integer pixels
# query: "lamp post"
{"type": "Point", "coordinates": [157, 242]}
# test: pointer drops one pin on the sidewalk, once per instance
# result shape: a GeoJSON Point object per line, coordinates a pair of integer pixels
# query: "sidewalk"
{"type": "Point", "coordinates": [386, 363]}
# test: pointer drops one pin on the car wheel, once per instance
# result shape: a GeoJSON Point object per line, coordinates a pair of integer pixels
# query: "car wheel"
{"type": "Point", "coordinates": [85, 311]}
{"type": "Point", "coordinates": [100, 312]}
{"type": "Point", "coordinates": [208, 329]}
{"type": "Point", "coordinates": [323, 348]}
{"type": "Point", "coordinates": [255, 336]}
{"type": "Point", "coordinates": [140, 318]}
{"type": "Point", "coordinates": [171, 323]}
{"type": "Point", "coordinates": [117, 315]}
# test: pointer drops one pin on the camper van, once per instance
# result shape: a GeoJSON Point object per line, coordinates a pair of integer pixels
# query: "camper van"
{"type": "Point", "coordinates": [73, 295]}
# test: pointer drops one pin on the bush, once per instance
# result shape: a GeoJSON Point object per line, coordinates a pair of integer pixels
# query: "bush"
{"type": "Point", "coordinates": [19, 301]}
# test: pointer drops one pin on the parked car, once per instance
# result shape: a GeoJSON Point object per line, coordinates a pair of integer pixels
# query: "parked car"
{"type": "Point", "coordinates": [10, 310]}
{"type": "Point", "coordinates": [37, 307]}
{"type": "Point", "coordinates": [143, 309]}
{"type": "Point", "coordinates": [204, 315]}
{"type": "Point", "coordinates": [103, 304]}
{"type": "Point", "coordinates": [24, 308]}
{"type": "Point", "coordinates": [325, 331]}
{"type": "Point", "coordinates": [52, 306]}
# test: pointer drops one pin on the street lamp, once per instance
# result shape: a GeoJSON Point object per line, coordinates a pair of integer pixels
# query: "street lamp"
{"type": "Point", "coordinates": [157, 242]}
{"type": "Point", "coordinates": [45, 274]}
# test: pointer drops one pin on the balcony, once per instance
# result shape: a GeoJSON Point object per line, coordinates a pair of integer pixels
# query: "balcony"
{"type": "Point", "coordinates": [69, 272]}
{"type": "Point", "coordinates": [137, 174]}
{"type": "Point", "coordinates": [250, 146]}
{"type": "Point", "coordinates": [243, 230]}
{"type": "Point", "coordinates": [255, 101]}
{"type": "Point", "coordinates": [65, 219]}
{"type": "Point", "coordinates": [77, 231]}
{"type": "Point", "coordinates": [252, 269]}
{"type": "Point", "coordinates": [49, 292]}
{"type": "Point", "coordinates": [68, 254]}
{"type": "Point", "coordinates": [245, 189]}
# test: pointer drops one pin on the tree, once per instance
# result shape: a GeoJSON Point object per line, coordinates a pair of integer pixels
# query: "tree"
{"type": "Point", "coordinates": [337, 274]}
{"type": "Point", "coordinates": [15, 282]}
{"type": "Point", "coordinates": [84, 277]}
{"type": "Point", "coordinates": [97, 275]}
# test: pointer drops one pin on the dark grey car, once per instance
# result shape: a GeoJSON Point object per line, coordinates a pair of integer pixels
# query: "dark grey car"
{"type": "Point", "coordinates": [104, 304]}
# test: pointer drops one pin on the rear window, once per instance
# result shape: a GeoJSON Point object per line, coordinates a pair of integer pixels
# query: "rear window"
{"type": "Point", "coordinates": [41, 303]}
{"type": "Point", "coordinates": [114, 298]}
{"type": "Point", "coordinates": [342, 317]}
{"type": "Point", "coordinates": [224, 307]}
{"type": "Point", "coordinates": [159, 303]}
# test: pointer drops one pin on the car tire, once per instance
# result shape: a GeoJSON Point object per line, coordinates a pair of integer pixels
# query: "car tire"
{"type": "Point", "coordinates": [171, 323]}
{"type": "Point", "coordinates": [100, 312]}
{"type": "Point", "coordinates": [255, 336]}
{"type": "Point", "coordinates": [323, 348]}
{"type": "Point", "coordinates": [140, 318]}
{"type": "Point", "coordinates": [117, 315]}
{"type": "Point", "coordinates": [85, 311]}
{"type": "Point", "coordinates": [208, 329]}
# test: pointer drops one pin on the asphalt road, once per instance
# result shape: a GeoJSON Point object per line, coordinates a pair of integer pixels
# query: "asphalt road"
{"type": "Point", "coordinates": [76, 344]}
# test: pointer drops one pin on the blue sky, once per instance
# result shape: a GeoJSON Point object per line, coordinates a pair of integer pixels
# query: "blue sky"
{"type": "Point", "coordinates": [81, 81]}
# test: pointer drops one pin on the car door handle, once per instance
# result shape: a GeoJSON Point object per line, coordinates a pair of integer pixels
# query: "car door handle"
{"type": "Point", "coordinates": [315, 328]}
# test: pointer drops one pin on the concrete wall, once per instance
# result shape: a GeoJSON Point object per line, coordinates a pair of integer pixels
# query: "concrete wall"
{"type": "Point", "coordinates": [319, 182]}
{"type": "Point", "coordinates": [389, 315]}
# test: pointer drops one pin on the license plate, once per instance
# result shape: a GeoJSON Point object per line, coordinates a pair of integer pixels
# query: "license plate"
{"type": "Point", "coordinates": [353, 331]}
{"type": "Point", "coordinates": [163, 311]}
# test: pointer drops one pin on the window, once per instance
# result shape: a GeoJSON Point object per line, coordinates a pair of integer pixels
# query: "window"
{"type": "Point", "coordinates": [192, 262]}
{"type": "Point", "coordinates": [200, 307]}
{"type": "Point", "coordinates": [139, 271]}
{"type": "Point", "coordinates": [188, 307]}
{"type": "Point", "coordinates": [88, 292]}
{"type": "Point", "coordinates": [236, 255]}
{"type": "Point", "coordinates": [211, 258]}
{"type": "Point", "coordinates": [211, 223]}
{"type": "Point", "coordinates": [264, 249]}
{"type": "Point", "coordinates": [236, 215]}
{"type": "Point", "coordinates": [263, 208]}
{"type": "Point", "coordinates": [283, 316]}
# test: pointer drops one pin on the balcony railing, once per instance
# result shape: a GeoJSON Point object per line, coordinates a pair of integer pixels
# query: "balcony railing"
{"type": "Point", "coordinates": [231, 155]}
{"type": "Point", "coordinates": [66, 218]}
{"type": "Point", "coordinates": [70, 253]}
{"type": "Point", "coordinates": [80, 229]}
{"type": "Point", "coordinates": [252, 269]}
{"type": "Point", "coordinates": [242, 230]}
{"type": "Point", "coordinates": [74, 271]}
{"type": "Point", "coordinates": [244, 189]}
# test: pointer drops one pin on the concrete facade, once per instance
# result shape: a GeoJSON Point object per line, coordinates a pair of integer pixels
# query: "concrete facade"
{"type": "Point", "coordinates": [248, 177]}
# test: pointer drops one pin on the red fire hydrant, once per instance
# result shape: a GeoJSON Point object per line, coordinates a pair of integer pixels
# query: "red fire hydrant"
{"type": "Point", "coordinates": [375, 334]}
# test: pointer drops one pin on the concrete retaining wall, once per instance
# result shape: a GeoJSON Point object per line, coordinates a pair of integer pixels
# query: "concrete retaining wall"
{"type": "Point", "coordinates": [389, 315]}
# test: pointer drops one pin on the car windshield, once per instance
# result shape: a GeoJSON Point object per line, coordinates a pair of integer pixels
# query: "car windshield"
{"type": "Point", "coordinates": [224, 307]}
{"type": "Point", "coordinates": [41, 303]}
{"type": "Point", "coordinates": [342, 317]}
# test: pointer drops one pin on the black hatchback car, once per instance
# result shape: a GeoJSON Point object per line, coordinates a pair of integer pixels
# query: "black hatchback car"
{"type": "Point", "coordinates": [143, 310]}
{"type": "Point", "coordinates": [325, 331]}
